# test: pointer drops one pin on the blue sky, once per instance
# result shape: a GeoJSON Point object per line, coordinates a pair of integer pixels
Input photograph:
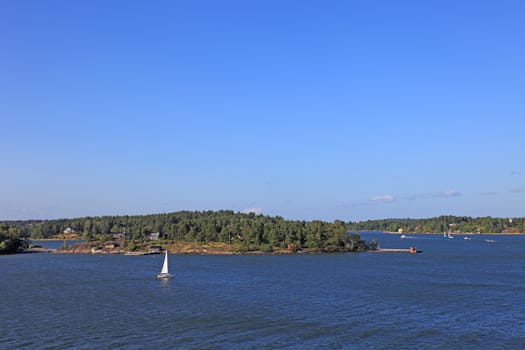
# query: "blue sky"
{"type": "Point", "coordinates": [327, 110]}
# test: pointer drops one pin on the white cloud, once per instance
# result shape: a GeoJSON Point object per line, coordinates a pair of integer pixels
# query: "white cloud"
{"type": "Point", "coordinates": [489, 193]}
{"type": "Point", "coordinates": [449, 194]}
{"type": "Point", "coordinates": [387, 198]}
{"type": "Point", "coordinates": [446, 194]}
{"type": "Point", "coordinates": [253, 210]}
{"type": "Point", "coordinates": [518, 190]}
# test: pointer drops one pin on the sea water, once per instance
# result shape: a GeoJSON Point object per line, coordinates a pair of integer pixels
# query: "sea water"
{"type": "Point", "coordinates": [456, 294]}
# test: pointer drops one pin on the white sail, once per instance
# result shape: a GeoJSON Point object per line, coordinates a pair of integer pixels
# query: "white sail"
{"type": "Point", "coordinates": [164, 272]}
{"type": "Point", "coordinates": [165, 265]}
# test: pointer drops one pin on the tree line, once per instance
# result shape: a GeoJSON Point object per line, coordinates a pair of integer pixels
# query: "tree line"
{"type": "Point", "coordinates": [444, 223]}
{"type": "Point", "coordinates": [249, 231]}
{"type": "Point", "coordinates": [12, 239]}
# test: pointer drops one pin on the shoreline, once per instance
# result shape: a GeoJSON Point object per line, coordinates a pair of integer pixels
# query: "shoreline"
{"type": "Point", "coordinates": [452, 233]}
{"type": "Point", "coordinates": [200, 252]}
{"type": "Point", "coordinates": [214, 248]}
{"type": "Point", "coordinates": [181, 248]}
{"type": "Point", "coordinates": [188, 248]}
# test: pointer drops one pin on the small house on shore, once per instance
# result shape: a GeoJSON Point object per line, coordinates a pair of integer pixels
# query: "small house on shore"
{"type": "Point", "coordinates": [111, 245]}
{"type": "Point", "coordinates": [154, 236]}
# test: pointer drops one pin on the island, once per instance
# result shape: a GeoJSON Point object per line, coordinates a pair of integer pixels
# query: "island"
{"type": "Point", "coordinates": [228, 232]}
{"type": "Point", "coordinates": [444, 223]}
{"type": "Point", "coordinates": [192, 232]}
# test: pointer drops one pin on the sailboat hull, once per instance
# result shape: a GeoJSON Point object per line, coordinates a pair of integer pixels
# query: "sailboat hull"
{"type": "Point", "coordinates": [164, 275]}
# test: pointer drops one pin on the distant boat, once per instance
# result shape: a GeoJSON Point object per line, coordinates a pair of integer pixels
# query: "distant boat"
{"type": "Point", "coordinates": [490, 241]}
{"type": "Point", "coordinates": [449, 235]}
{"type": "Point", "coordinates": [466, 238]}
{"type": "Point", "coordinates": [164, 274]}
{"type": "Point", "coordinates": [404, 236]}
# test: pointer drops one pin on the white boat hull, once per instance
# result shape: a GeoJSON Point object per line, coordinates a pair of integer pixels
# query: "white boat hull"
{"type": "Point", "coordinates": [164, 275]}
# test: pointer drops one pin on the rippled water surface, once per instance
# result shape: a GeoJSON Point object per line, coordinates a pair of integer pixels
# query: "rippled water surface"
{"type": "Point", "coordinates": [457, 294]}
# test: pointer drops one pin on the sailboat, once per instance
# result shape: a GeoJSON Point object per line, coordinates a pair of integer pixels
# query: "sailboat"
{"type": "Point", "coordinates": [164, 272]}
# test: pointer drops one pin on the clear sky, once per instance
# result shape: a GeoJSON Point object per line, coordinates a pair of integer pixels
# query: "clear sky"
{"type": "Point", "coordinates": [348, 110]}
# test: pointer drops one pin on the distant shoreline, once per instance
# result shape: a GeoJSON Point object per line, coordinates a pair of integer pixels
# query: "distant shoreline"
{"type": "Point", "coordinates": [215, 248]}
{"type": "Point", "coordinates": [452, 233]}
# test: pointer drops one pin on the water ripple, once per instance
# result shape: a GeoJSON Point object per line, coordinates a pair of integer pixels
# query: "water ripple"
{"type": "Point", "coordinates": [441, 299]}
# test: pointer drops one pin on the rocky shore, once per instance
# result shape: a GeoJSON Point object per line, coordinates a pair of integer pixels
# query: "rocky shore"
{"type": "Point", "coordinates": [182, 248]}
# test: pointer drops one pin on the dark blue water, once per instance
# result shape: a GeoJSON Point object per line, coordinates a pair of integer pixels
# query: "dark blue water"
{"type": "Point", "coordinates": [457, 294]}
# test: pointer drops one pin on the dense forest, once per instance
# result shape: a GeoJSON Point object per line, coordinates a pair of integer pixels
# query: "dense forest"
{"type": "Point", "coordinates": [457, 224]}
{"type": "Point", "coordinates": [11, 239]}
{"type": "Point", "coordinates": [11, 244]}
{"type": "Point", "coordinates": [247, 231]}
